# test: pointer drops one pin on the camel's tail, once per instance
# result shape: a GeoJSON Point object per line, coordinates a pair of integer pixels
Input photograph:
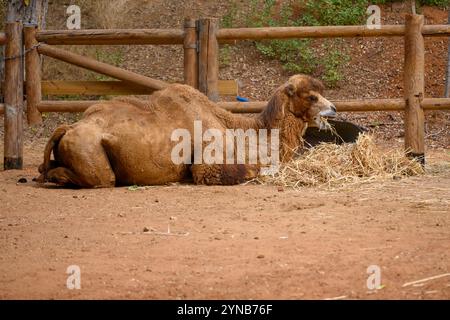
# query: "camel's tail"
{"type": "Point", "coordinates": [52, 142]}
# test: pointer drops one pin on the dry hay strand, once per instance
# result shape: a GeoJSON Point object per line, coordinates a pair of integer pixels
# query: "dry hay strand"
{"type": "Point", "coordinates": [330, 165]}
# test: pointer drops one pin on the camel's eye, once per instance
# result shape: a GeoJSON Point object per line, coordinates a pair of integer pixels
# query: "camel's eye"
{"type": "Point", "coordinates": [313, 98]}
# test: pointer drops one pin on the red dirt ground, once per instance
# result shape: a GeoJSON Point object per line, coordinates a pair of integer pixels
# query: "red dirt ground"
{"type": "Point", "coordinates": [249, 242]}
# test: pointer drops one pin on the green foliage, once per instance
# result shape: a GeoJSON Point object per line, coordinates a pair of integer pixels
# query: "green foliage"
{"type": "Point", "coordinates": [436, 3]}
{"type": "Point", "coordinates": [332, 62]}
{"type": "Point", "coordinates": [228, 19]}
{"type": "Point", "coordinates": [298, 56]}
{"type": "Point", "coordinates": [333, 12]}
{"type": "Point", "coordinates": [302, 56]}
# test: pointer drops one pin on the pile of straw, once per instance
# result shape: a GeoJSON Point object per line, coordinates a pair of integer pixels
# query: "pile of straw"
{"type": "Point", "coordinates": [331, 165]}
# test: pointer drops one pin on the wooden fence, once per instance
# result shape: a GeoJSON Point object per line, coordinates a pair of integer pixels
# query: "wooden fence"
{"type": "Point", "coordinates": [200, 40]}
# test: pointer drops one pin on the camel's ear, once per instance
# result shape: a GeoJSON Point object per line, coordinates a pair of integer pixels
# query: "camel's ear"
{"type": "Point", "coordinates": [289, 90]}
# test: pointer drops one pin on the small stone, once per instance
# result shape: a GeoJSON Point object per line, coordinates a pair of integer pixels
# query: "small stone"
{"type": "Point", "coordinates": [256, 238]}
{"type": "Point", "coordinates": [146, 229]}
{"type": "Point", "coordinates": [280, 189]}
{"type": "Point", "coordinates": [75, 197]}
{"type": "Point", "coordinates": [260, 256]}
{"type": "Point", "coordinates": [22, 180]}
{"type": "Point", "coordinates": [65, 237]}
{"type": "Point", "coordinates": [156, 200]}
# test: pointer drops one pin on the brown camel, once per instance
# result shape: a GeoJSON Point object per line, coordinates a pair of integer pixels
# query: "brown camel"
{"type": "Point", "coordinates": [128, 141]}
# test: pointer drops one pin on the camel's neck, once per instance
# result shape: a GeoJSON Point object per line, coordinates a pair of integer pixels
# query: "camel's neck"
{"type": "Point", "coordinates": [237, 121]}
{"type": "Point", "coordinates": [270, 118]}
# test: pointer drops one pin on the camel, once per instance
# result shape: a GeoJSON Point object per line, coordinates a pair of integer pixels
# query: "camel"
{"type": "Point", "coordinates": [127, 141]}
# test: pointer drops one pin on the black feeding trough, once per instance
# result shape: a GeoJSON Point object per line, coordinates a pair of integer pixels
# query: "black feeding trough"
{"type": "Point", "coordinates": [343, 132]}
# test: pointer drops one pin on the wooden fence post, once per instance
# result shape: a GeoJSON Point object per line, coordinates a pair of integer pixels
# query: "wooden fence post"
{"type": "Point", "coordinates": [13, 138]}
{"type": "Point", "coordinates": [414, 84]}
{"type": "Point", "coordinates": [32, 75]}
{"type": "Point", "coordinates": [190, 53]}
{"type": "Point", "coordinates": [447, 74]}
{"type": "Point", "coordinates": [208, 66]}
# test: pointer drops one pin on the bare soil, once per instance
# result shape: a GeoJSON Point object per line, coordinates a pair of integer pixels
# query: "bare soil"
{"type": "Point", "coordinates": [248, 242]}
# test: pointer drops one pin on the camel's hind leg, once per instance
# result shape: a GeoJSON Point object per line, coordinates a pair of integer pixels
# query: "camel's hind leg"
{"type": "Point", "coordinates": [81, 152]}
{"type": "Point", "coordinates": [223, 174]}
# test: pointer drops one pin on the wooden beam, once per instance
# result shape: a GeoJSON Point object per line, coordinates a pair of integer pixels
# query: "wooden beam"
{"type": "Point", "coordinates": [190, 53]}
{"type": "Point", "coordinates": [33, 75]}
{"type": "Point", "coordinates": [414, 84]}
{"type": "Point", "coordinates": [203, 28]}
{"type": "Point", "coordinates": [243, 107]}
{"type": "Point", "coordinates": [213, 61]}
{"type": "Point", "coordinates": [100, 67]}
{"type": "Point", "coordinates": [13, 95]}
{"type": "Point", "coordinates": [436, 30]}
{"type": "Point", "coordinates": [66, 106]}
{"type": "Point", "coordinates": [430, 104]}
{"type": "Point", "coordinates": [111, 37]}
{"type": "Point", "coordinates": [175, 36]}
{"type": "Point", "coordinates": [227, 35]}
{"type": "Point", "coordinates": [368, 105]}
{"type": "Point", "coordinates": [341, 105]}
{"type": "Point", "coordinates": [308, 32]}
{"type": "Point", "coordinates": [208, 58]}
{"type": "Point", "coordinates": [57, 87]}
{"type": "Point", "coordinates": [447, 73]}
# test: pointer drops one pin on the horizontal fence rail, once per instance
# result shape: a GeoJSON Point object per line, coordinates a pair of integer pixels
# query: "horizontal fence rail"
{"type": "Point", "coordinates": [112, 37]}
{"type": "Point", "coordinates": [308, 32]}
{"type": "Point", "coordinates": [111, 88]}
{"type": "Point", "coordinates": [325, 32]}
{"type": "Point", "coordinates": [365, 105]}
{"type": "Point", "coordinates": [176, 36]}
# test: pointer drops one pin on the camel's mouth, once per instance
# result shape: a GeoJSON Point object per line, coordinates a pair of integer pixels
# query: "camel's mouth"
{"type": "Point", "coordinates": [330, 112]}
{"type": "Point", "coordinates": [320, 119]}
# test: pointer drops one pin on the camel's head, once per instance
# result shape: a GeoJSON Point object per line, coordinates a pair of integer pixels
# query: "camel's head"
{"type": "Point", "coordinates": [306, 101]}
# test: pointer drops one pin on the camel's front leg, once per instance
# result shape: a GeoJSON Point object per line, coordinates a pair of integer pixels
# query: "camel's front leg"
{"type": "Point", "coordinates": [223, 174]}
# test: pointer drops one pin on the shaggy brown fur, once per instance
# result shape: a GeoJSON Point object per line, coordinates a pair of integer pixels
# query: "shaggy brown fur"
{"type": "Point", "coordinates": [128, 141]}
